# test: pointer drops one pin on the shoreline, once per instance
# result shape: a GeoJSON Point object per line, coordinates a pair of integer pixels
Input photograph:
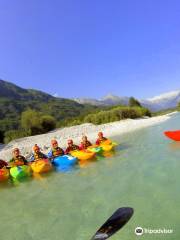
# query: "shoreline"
{"type": "Point", "coordinates": [75, 132]}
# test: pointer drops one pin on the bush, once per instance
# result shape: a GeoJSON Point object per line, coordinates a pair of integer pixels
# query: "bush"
{"type": "Point", "coordinates": [31, 121]}
{"type": "Point", "coordinates": [48, 123]}
{"type": "Point", "coordinates": [14, 134]}
{"type": "Point", "coordinates": [1, 136]}
{"type": "Point", "coordinates": [178, 106]}
{"type": "Point", "coordinates": [116, 114]}
{"type": "Point", "coordinates": [37, 123]}
{"type": "Point", "coordinates": [134, 102]}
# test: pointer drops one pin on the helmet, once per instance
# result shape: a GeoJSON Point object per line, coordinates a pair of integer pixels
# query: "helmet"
{"type": "Point", "coordinates": [36, 147]}
{"type": "Point", "coordinates": [54, 141]}
{"type": "Point", "coordinates": [70, 141]}
{"type": "Point", "coordinates": [100, 133]}
{"type": "Point", "coordinates": [15, 149]}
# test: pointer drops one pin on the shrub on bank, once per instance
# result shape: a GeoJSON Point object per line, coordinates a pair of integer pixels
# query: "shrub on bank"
{"type": "Point", "coordinates": [14, 134]}
{"type": "Point", "coordinates": [117, 114]}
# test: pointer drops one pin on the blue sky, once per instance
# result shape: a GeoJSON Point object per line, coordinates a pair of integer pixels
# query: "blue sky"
{"type": "Point", "coordinates": [79, 48]}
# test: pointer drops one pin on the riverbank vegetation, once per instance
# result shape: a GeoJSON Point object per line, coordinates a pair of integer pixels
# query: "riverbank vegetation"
{"type": "Point", "coordinates": [33, 122]}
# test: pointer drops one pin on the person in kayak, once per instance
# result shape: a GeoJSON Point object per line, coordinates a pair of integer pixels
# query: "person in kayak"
{"type": "Point", "coordinates": [3, 164]}
{"type": "Point", "coordinates": [100, 139]}
{"type": "Point", "coordinates": [71, 146]}
{"type": "Point", "coordinates": [55, 150]}
{"type": "Point", "coordinates": [17, 159]}
{"type": "Point", "coordinates": [37, 155]}
{"type": "Point", "coordinates": [85, 143]}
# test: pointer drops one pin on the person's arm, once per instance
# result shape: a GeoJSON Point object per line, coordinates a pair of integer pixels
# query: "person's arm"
{"type": "Point", "coordinates": [24, 160]}
{"type": "Point", "coordinates": [32, 158]}
{"type": "Point", "coordinates": [77, 147]}
{"type": "Point", "coordinates": [50, 154]}
{"type": "Point", "coordinates": [45, 156]}
{"type": "Point", "coordinates": [63, 152]}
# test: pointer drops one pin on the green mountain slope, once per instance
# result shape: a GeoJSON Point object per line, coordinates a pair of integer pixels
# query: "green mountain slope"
{"type": "Point", "coordinates": [14, 100]}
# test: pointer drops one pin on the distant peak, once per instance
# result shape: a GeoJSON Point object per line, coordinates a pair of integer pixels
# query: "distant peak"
{"type": "Point", "coordinates": [110, 96]}
{"type": "Point", "coordinates": [171, 94]}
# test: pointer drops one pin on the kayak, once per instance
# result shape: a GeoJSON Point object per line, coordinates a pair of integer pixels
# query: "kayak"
{"type": "Point", "coordinates": [108, 145]}
{"type": "Point", "coordinates": [19, 172]}
{"type": "Point", "coordinates": [95, 149]}
{"type": "Point", "coordinates": [41, 166]}
{"type": "Point", "coordinates": [83, 154]}
{"type": "Point", "coordinates": [174, 135]}
{"type": "Point", "coordinates": [64, 161]}
{"type": "Point", "coordinates": [4, 174]}
{"type": "Point", "coordinates": [107, 148]}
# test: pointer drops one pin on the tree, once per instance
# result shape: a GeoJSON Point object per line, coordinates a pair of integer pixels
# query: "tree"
{"type": "Point", "coordinates": [31, 121]}
{"type": "Point", "coordinates": [48, 123]}
{"type": "Point", "coordinates": [178, 106]}
{"type": "Point", "coordinates": [36, 122]}
{"type": "Point", "coordinates": [134, 102]}
{"type": "Point", "coordinates": [1, 136]}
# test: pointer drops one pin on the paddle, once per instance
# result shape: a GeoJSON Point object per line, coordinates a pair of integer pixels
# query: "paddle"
{"type": "Point", "coordinates": [119, 218]}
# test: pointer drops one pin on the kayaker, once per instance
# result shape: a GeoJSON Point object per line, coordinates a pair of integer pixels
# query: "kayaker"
{"type": "Point", "coordinates": [37, 155]}
{"type": "Point", "coordinates": [55, 150]}
{"type": "Point", "coordinates": [85, 143]}
{"type": "Point", "coordinates": [71, 146]}
{"type": "Point", "coordinates": [100, 139]}
{"type": "Point", "coordinates": [3, 164]}
{"type": "Point", "coordinates": [17, 160]}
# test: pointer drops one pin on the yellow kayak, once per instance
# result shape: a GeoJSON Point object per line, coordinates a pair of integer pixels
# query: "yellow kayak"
{"type": "Point", "coordinates": [107, 148]}
{"type": "Point", "coordinates": [41, 166]}
{"type": "Point", "coordinates": [83, 154]}
{"type": "Point", "coordinates": [108, 145]}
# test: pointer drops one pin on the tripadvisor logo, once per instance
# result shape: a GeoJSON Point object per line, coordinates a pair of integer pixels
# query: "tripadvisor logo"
{"type": "Point", "coordinates": [139, 231]}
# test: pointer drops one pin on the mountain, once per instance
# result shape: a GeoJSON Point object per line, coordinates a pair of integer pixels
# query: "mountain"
{"type": "Point", "coordinates": [108, 100]}
{"type": "Point", "coordinates": [90, 101]}
{"type": "Point", "coordinates": [14, 100]}
{"type": "Point", "coordinates": [115, 100]}
{"type": "Point", "coordinates": [161, 102]}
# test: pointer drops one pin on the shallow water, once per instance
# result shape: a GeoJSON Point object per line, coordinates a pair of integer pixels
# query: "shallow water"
{"type": "Point", "coordinates": [143, 174]}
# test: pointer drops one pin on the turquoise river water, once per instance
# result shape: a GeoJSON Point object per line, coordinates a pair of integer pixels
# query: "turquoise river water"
{"type": "Point", "coordinates": [143, 174]}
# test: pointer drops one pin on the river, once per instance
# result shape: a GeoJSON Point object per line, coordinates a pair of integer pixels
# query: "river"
{"type": "Point", "coordinates": [143, 174]}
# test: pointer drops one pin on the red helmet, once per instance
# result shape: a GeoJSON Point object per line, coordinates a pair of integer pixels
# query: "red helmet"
{"type": "Point", "coordinates": [100, 134]}
{"type": "Point", "coordinates": [70, 141]}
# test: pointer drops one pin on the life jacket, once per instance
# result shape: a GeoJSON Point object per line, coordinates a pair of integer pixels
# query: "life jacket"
{"type": "Point", "coordinates": [3, 164]}
{"type": "Point", "coordinates": [99, 141]}
{"type": "Point", "coordinates": [38, 156]}
{"type": "Point", "coordinates": [85, 145]}
{"type": "Point", "coordinates": [19, 160]}
{"type": "Point", "coordinates": [57, 152]}
{"type": "Point", "coordinates": [72, 148]}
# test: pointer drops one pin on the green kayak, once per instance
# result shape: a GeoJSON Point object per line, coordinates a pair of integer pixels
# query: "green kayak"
{"type": "Point", "coordinates": [95, 149]}
{"type": "Point", "coordinates": [20, 171]}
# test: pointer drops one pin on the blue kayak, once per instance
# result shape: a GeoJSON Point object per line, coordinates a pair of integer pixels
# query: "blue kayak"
{"type": "Point", "coordinates": [64, 161]}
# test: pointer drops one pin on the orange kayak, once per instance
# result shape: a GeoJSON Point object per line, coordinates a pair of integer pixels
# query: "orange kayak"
{"type": "Point", "coordinates": [174, 135]}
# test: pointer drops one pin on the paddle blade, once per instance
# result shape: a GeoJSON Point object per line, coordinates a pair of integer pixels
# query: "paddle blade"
{"type": "Point", "coordinates": [119, 218]}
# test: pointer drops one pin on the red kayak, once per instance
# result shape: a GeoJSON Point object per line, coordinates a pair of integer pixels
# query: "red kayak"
{"type": "Point", "coordinates": [174, 135]}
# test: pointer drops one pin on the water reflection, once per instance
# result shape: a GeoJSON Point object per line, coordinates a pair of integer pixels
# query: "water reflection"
{"type": "Point", "coordinates": [174, 145]}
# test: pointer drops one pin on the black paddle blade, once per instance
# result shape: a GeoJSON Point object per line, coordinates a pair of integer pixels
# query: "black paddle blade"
{"type": "Point", "coordinates": [119, 218]}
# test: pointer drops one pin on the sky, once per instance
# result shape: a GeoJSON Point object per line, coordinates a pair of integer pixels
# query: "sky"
{"type": "Point", "coordinates": [83, 48]}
